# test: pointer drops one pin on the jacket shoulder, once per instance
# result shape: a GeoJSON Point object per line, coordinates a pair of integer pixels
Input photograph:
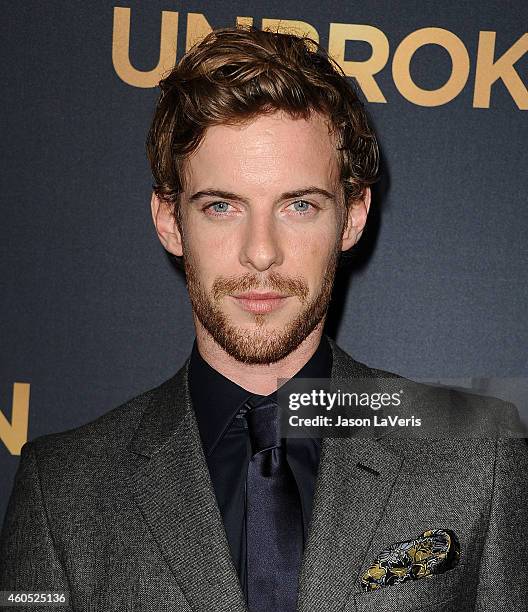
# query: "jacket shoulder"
{"type": "Point", "coordinates": [111, 430]}
{"type": "Point", "coordinates": [345, 366]}
{"type": "Point", "coordinates": [463, 408]}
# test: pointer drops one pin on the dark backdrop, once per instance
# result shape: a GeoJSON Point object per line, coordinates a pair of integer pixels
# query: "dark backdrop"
{"type": "Point", "coordinates": [92, 310]}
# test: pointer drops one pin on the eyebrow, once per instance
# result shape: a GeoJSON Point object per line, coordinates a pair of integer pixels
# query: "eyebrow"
{"type": "Point", "coordinates": [287, 195]}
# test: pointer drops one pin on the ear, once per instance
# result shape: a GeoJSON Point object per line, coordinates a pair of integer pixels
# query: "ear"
{"type": "Point", "coordinates": [356, 218]}
{"type": "Point", "coordinates": [166, 226]}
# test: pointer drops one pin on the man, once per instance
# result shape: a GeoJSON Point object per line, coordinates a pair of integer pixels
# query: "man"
{"type": "Point", "coordinates": [186, 498]}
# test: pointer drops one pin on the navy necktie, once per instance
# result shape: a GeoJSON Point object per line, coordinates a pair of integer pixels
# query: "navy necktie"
{"type": "Point", "coordinates": [274, 528]}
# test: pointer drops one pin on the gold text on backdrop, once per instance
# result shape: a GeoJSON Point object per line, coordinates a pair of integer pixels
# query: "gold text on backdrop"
{"type": "Point", "coordinates": [488, 68]}
{"type": "Point", "coordinates": [14, 434]}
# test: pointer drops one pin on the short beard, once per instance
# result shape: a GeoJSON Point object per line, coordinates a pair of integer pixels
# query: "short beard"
{"type": "Point", "coordinates": [262, 346]}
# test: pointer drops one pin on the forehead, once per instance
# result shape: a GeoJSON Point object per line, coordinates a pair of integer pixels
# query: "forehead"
{"type": "Point", "coordinates": [269, 152]}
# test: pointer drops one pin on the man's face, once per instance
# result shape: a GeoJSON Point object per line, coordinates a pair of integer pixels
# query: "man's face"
{"type": "Point", "coordinates": [261, 230]}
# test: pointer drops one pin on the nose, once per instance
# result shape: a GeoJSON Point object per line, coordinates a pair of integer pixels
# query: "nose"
{"type": "Point", "coordinates": [261, 248]}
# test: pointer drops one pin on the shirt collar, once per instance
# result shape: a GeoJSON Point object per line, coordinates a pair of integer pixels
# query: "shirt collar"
{"type": "Point", "coordinates": [217, 400]}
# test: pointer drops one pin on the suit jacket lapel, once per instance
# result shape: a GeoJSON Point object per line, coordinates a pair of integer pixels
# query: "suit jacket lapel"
{"type": "Point", "coordinates": [170, 481]}
{"type": "Point", "coordinates": [353, 485]}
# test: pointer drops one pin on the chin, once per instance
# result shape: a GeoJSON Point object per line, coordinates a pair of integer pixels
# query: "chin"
{"type": "Point", "coordinates": [264, 344]}
{"type": "Point", "coordinates": [253, 322]}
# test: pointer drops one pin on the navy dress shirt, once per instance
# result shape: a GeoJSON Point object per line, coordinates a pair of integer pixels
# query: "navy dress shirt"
{"type": "Point", "coordinates": [219, 405]}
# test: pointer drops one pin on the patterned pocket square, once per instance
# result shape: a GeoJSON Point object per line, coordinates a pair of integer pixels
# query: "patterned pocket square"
{"type": "Point", "coordinates": [434, 552]}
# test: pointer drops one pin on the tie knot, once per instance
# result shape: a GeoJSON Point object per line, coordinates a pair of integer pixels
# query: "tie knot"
{"type": "Point", "coordinates": [262, 418]}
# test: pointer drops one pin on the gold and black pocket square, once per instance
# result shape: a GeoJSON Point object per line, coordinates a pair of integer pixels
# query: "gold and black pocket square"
{"type": "Point", "coordinates": [434, 552]}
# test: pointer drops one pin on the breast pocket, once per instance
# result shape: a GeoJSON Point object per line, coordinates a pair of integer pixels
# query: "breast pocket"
{"type": "Point", "coordinates": [442, 593]}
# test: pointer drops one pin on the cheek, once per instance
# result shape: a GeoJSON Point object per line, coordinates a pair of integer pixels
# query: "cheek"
{"type": "Point", "coordinates": [211, 253]}
{"type": "Point", "coordinates": [310, 253]}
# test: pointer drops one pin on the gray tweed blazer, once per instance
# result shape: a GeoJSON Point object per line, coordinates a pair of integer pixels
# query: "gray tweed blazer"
{"type": "Point", "coordinates": [122, 514]}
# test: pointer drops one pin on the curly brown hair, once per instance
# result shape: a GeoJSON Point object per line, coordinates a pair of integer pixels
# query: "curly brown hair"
{"type": "Point", "coordinates": [236, 74]}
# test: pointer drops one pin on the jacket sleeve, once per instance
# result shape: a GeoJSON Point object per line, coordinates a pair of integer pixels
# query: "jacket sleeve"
{"type": "Point", "coordinates": [503, 574]}
{"type": "Point", "coordinates": [28, 559]}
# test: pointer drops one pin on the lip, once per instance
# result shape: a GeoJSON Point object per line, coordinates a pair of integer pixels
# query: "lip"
{"type": "Point", "coordinates": [260, 303]}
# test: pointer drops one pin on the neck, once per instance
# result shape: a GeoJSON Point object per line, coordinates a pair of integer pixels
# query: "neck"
{"type": "Point", "coordinates": [260, 379]}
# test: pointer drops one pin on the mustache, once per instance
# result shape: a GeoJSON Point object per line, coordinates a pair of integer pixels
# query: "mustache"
{"type": "Point", "coordinates": [274, 281]}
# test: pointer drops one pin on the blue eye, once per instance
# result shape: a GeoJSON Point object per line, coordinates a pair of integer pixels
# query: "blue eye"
{"type": "Point", "coordinates": [301, 206]}
{"type": "Point", "coordinates": [220, 207]}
